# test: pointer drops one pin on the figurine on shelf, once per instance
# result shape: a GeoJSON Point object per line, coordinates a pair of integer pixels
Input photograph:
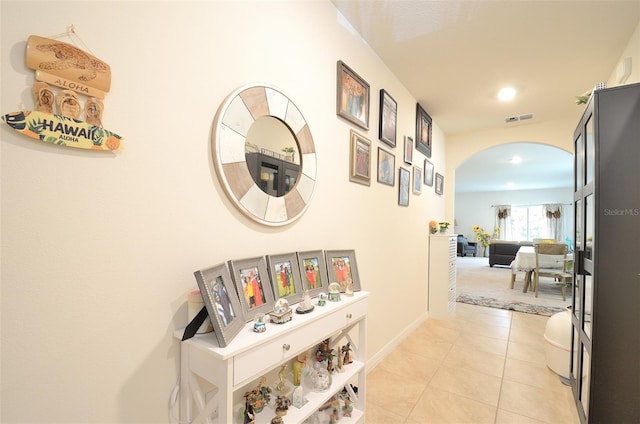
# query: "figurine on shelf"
{"type": "Point", "coordinates": [346, 349]}
{"type": "Point", "coordinates": [305, 306]}
{"type": "Point", "coordinates": [333, 418]}
{"type": "Point", "coordinates": [298, 397]}
{"type": "Point", "coordinates": [281, 312]}
{"type": "Point", "coordinates": [282, 405]}
{"type": "Point", "coordinates": [277, 420]}
{"type": "Point", "coordinates": [347, 409]}
{"type": "Point", "coordinates": [334, 292]}
{"type": "Point", "coordinates": [340, 366]}
{"type": "Point", "coordinates": [348, 291]}
{"type": "Point", "coordinates": [282, 388]}
{"type": "Point", "coordinates": [322, 299]}
{"type": "Point", "coordinates": [323, 350]}
{"type": "Point", "coordinates": [299, 364]}
{"type": "Point", "coordinates": [259, 397]}
{"type": "Point", "coordinates": [249, 416]}
{"type": "Point", "coordinates": [259, 325]}
{"type": "Point", "coordinates": [330, 355]}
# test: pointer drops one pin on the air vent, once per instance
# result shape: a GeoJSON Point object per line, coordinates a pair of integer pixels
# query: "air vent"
{"type": "Point", "coordinates": [510, 119]}
{"type": "Point", "coordinates": [527, 116]}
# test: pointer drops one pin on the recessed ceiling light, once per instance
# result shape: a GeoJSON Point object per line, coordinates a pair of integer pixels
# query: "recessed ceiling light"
{"type": "Point", "coordinates": [516, 160]}
{"type": "Point", "coordinates": [506, 94]}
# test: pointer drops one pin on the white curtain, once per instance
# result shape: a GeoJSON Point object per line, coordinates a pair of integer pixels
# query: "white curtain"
{"type": "Point", "coordinates": [503, 221]}
{"type": "Point", "coordinates": [555, 229]}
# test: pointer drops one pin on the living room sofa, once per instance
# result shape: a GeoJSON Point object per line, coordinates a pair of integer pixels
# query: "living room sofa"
{"type": "Point", "coordinates": [503, 252]}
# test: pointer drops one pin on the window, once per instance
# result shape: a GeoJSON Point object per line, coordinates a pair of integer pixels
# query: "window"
{"type": "Point", "coordinates": [528, 222]}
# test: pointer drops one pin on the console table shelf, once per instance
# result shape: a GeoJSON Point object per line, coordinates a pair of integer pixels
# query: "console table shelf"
{"type": "Point", "coordinates": [249, 356]}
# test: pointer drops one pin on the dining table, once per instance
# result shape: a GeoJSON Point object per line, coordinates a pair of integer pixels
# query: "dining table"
{"type": "Point", "coordinates": [525, 261]}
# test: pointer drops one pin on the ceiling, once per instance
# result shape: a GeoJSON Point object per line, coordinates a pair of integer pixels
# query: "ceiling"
{"type": "Point", "coordinates": [453, 56]}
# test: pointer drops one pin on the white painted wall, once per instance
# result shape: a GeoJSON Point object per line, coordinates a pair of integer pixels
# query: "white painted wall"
{"type": "Point", "coordinates": [99, 249]}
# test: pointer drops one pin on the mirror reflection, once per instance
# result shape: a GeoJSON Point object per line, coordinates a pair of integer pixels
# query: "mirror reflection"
{"type": "Point", "coordinates": [272, 156]}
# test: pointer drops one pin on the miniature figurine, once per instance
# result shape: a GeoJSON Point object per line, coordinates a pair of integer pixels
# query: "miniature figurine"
{"type": "Point", "coordinates": [347, 409]}
{"type": "Point", "coordinates": [323, 349]}
{"type": "Point", "coordinates": [259, 397]}
{"type": "Point", "coordinates": [322, 299]}
{"type": "Point", "coordinates": [282, 405]}
{"type": "Point", "coordinates": [348, 291]}
{"type": "Point", "coordinates": [249, 417]}
{"type": "Point", "coordinates": [305, 306]}
{"type": "Point", "coordinates": [333, 417]}
{"type": "Point", "coordinates": [282, 388]}
{"type": "Point", "coordinates": [281, 312]}
{"type": "Point", "coordinates": [340, 367]}
{"type": "Point", "coordinates": [298, 366]}
{"type": "Point", "coordinates": [277, 420]}
{"type": "Point", "coordinates": [334, 292]}
{"type": "Point", "coordinates": [298, 397]}
{"type": "Point", "coordinates": [346, 349]}
{"type": "Point", "coordinates": [259, 325]}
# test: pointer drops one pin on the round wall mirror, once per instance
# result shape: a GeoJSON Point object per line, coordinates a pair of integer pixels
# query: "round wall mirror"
{"type": "Point", "coordinates": [264, 154]}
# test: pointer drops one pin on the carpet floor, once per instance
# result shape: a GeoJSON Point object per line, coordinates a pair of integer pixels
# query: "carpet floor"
{"type": "Point", "coordinates": [479, 284]}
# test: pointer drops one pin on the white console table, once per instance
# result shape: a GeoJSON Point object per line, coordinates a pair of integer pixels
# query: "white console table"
{"type": "Point", "coordinates": [238, 366]}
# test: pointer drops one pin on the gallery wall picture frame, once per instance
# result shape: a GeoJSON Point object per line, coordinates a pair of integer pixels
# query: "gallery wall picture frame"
{"type": "Point", "coordinates": [386, 167]}
{"type": "Point", "coordinates": [404, 183]}
{"type": "Point", "coordinates": [388, 119]}
{"type": "Point", "coordinates": [352, 98]}
{"type": "Point", "coordinates": [286, 282]}
{"type": "Point", "coordinates": [222, 303]}
{"type": "Point", "coordinates": [408, 150]}
{"type": "Point", "coordinates": [423, 131]}
{"type": "Point", "coordinates": [428, 173]}
{"type": "Point", "coordinates": [417, 180]}
{"type": "Point", "coordinates": [439, 183]}
{"type": "Point", "coordinates": [313, 271]}
{"type": "Point", "coordinates": [342, 267]}
{"type": "Point", "coordinates": [253, 286]}
{"type": "Point", "coordinates": [360, 163]}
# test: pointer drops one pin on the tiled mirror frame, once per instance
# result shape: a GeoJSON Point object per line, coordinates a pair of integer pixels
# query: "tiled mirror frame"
{"type": "Point", "coordinates": [231, 125]}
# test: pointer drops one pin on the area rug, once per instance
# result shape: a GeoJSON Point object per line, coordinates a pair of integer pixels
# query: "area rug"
{"type": "Point", "coordinates": [511, 306]}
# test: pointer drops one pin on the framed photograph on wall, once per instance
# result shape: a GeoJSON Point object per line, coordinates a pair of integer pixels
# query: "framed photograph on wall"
{"type": "Point", "coordinates": [221, 300]}
{"type": "Point", "coordinates": [313, 271]}
{"type": "Point", "coordinates": [423, 131]}
{"type": "Point", "coordinates": [404, 178]}
{"type": "Point", "coordinates": [343, 268]}
{"type": "Point", "coordinates": [386, 167]}
{"type": "Point", "coordinates": [439, 183]}
{"type": "Point", "coordinates": [352, 96]}
{"type": "Point", "coordinates": [285, 277]}
{"type": "Point", "coordinates": [253, 286]}
{"type": "Point", "coordinates": [388, 119]}
{"type": "Point", "coordinates": [428, 173]}
{"type": "Point", "coordinates": [360, 162]}
{"type": "Point", "coordinates": [408, 150]}
{"type": "Point", "coordinates": [417, 180]}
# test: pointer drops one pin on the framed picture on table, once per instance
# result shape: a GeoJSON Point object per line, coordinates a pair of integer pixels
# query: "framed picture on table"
{"type": "Point", "coordinates": [313, 271]}
{"type": "Point", "coordinates": [220, 299]}
{"type": "Point", "coordinates": [343, 269]}
{"type": "Point", "coordinates": [253, 286]}
{"type": "Point", "coordinates": [285, 277]}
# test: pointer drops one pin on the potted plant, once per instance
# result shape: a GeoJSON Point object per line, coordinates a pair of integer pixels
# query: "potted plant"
{"type": "Point", "coordinates": [290, 151]}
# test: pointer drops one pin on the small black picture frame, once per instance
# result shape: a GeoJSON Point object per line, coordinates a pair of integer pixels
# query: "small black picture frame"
{"type": "Point", "coordinates": [423, 131]}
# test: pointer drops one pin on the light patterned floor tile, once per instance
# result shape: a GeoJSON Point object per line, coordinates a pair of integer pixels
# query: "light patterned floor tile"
{"type": "Point", "coordinates": [540, 404]}
{"type": "Point", "coordinates": [441, 406]}
{"type": "Point", "coordinates": [392, 392]}
{"type": "Point", "coordinates": [470, 384]}
{"type": "Point", "coordinates": [487, 363]}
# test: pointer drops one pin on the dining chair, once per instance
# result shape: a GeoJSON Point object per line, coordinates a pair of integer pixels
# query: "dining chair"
{"type": "Point", "coordinates": [551, 261]}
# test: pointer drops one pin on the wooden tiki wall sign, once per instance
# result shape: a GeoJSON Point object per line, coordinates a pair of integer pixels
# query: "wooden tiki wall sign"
{"type": "Point", "coordinates": [68, 94]}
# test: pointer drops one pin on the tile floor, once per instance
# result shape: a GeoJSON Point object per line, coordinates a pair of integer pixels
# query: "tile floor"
{"type": "Point", "coordinates": [484, 365]}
